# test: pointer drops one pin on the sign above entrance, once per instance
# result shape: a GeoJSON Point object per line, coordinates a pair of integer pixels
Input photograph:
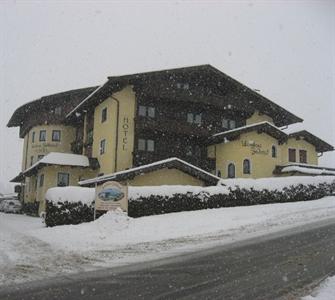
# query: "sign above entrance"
{"type": "Point", "coordinates": [111, 195]}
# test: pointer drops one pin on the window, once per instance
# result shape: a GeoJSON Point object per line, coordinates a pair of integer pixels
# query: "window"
{"type": "Point", "coordinates": [58, 110]}
{"type": "Point", "coordinates": [274, 151]}
{"type": "Point", "coordinates": [63, 179]}
{"type": "Point", "coordinates": [228, 124]}
{"type": "Point", "coordinates": [291, 155]}
{"type": "Point", "coordinates": [33, 137]}
{"type": "Point", "coordinates": [146, 145]}
{"type": "Point", "coordinates": [151, 112]}
{"type": "Point", "coordinates": [231, 170]}
{"type": "Point", "coordinates": [56, 135]}
{"type": "Point", "coordinates": [90, 137]}
{"type": "Point", "coordinates": [31, 160]}
{"type": "Point", "coordinates": [104, 115]}
{"type": "Point", "coordinates": [41, 180]}
{"type": "Point", "coordinates": [194, 118]}
{"type": "Point", "coordinates": [303, 156]}
{"type": "Point", "coordinates": [219, 173]}
{"type": "Point", "coordinates": [150, 145]}
{"type": "Point", "coordinates": [39, 157]}
{"type": "Point", "coordinates": [232, 124]}
{"type": "Point", "coordinates": [141, 144]}
{"type": "Point", "coordinates": [246, 166]}
{"type": "Point", "coordinates": [146, 111]}
{"type": "Point", "coordinates": [225, 123]}
{"type": "Point", "coordinates": [43, 134]}
{"type": "Point", "coordinates": [102, 146]}
{"type": "Point", "coordinates": [189, 150]}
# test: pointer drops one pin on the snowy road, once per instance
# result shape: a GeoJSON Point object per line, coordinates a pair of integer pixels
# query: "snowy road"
{"type": "Point", "coordinates": [29, 251]}
{"type": "Point", "coordinates": [268, 267]}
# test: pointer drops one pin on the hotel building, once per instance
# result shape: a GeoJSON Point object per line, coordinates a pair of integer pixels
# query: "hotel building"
{"type": "Point", "coordinates": [190, 125]}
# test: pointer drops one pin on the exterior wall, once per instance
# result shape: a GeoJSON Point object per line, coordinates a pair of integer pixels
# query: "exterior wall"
{"type": "Point", "coordinates": [312, 155]}
{"type": "Point", "coordinates": [257, 118]}
{"type": "Point", "coordinates": [262, 163]}
{"type": "Point", "coordinates": [42, 148]}
{"type": "Point", "coordinates": [120, 133]}
{"type": "Point", "coordinates": [257, 148]}
{"type": "Point", "coordinates": [165, 177]}
{"type": "Point", "coordinates": [50, 179]}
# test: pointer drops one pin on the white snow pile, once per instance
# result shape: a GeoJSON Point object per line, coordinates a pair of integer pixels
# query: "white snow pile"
{"type": "Point", "coordinates": [276, 183]}
{"type": "Point", "coordinates": [325, 291]}
{"type": "Point", "coordinates": [116, 229]}
{"type": "Point", "coordinates": [71, 194]}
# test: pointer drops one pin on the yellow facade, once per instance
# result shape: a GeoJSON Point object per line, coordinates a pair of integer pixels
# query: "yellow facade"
{"type": "Point", "coordinates": [118, 136]}
{"type": "Point", "coordinates": [35, 192]}
{"type": "Point", "coordinates": [31, 150]}
{"type": "Point", "coordinates": [257, 117]}
{"type": "Point", "coordinates": [165, 177]}
{"type": "Point", "coordinates": [257, 148]}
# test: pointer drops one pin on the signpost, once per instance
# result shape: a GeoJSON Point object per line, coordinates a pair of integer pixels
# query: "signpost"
{"type": "Point", "coordinates": [110, 196]}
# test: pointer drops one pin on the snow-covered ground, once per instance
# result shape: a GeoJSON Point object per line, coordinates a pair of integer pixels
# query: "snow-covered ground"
{"type": "Point", "coordinates": [29, 251]}
{"type": "Point", "coordinates": [326, 291]}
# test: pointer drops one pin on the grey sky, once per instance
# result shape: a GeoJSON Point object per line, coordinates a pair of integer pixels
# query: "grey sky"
{"type": "Point", "coordinates": [285, 49]}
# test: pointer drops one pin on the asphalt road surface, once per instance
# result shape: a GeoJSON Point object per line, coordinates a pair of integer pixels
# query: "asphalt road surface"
{"type": "Point", "coordinates": [269, 267]}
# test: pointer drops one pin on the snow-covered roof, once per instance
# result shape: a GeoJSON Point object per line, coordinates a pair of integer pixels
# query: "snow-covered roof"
{"type": "Point", "coordinates": [304, 170]}
{"type": "Point", "coordinates": [265, 126]}
{"type": "Point", "coordinates": [64, 159]}
{"type": "Point", "coordinates": [169, 162]}
{"type": "Point", "coordinates": [85, 99]}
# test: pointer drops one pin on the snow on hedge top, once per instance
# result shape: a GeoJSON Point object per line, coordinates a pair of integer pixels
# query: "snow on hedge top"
{"type": "Point", "coordinates": [87, 195]}
{"type": "Point", "coordinates": [72, 194]}
{"type": "Point", "coordinates": [65, 159]}
{"type": "Point", "coordinates": [276, 183]}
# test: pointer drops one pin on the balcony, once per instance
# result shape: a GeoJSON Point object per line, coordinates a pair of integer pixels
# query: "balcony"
{"type": "Point", "coordinates": [177, 127]}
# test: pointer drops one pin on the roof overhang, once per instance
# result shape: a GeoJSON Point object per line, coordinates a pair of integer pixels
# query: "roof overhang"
{"type": "Point", "coordinates": [20, 113]}
{"type": "Point", "coordinates": [170, 163]}
{"type": "Point", "coordinates": [306, 169]}
{"type": "Point", "coordinates": [320, 145]}
{"type": "Point", "coordinates": [262, 127]}
{"type": "Point", "coordinates": [223, 90]}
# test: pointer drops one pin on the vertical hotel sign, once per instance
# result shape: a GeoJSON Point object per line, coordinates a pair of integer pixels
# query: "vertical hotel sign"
{"type": "Point", "coordinates": [110, 196]}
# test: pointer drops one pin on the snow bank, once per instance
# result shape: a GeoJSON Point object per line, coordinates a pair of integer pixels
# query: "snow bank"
{"type": "Point", "coordinates": [87, 195]}
{"type": "Point", "coordinates": [115, 229]}
{"type": "Point", "coordinates": [276, 183]}
{"type": "Point", "coordinates": [326, 291]}
{"type": "Point", "coordinates": [71, 194]}
{"type": "Point", "coordinates": [306, 170]}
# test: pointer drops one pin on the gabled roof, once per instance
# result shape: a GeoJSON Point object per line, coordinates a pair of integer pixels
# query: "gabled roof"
{"type": "Point", "coordinates": [56, 158]}
{"type": "Point", "coordinates": [169, 163]}
{"type": "Point", "coordinates": [225, 90]}
{"type": "Point", "coordinates": [261, 127]}
{"type": "Point", "coordinates": [55, 99]}
{"type": "Point", "coordinates": [320, 145]}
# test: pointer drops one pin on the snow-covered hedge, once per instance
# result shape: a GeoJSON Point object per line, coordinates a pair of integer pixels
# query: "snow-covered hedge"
{"type": "Point", "coordinates": [69, 205]}
{"type": "Point", "coordinates": [73, 205]}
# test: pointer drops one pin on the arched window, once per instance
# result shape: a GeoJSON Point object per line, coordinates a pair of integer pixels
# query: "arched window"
{"type": "Point", "coordinates": [246, 166]}
{"type": "Point", "coordinates": [274, 151]}
{"type": "Point", "coordinates": [231, 170]}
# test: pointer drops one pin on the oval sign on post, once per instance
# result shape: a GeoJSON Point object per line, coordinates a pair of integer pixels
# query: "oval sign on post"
{"type": "Point", "coordinates": [111, 195]}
